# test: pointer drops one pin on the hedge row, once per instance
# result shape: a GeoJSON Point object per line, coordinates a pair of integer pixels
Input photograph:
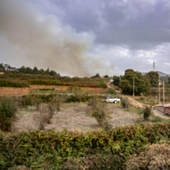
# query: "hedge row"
{"type": "Point", "coordinates": [9, 83]}
{"type": "Point", "coordinates": [49, 149]}
{"type": "Point", "coordinates": [47, 98]}
{"type": "Point", "coordinates": [97, 83]}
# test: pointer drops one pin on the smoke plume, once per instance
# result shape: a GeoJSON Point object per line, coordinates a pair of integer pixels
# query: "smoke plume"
{"type": "Point", "coordinates": [45, 42]}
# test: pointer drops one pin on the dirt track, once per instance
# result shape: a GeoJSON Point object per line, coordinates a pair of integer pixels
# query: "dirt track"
{"type": "Point", "coordinates": [136, 103]}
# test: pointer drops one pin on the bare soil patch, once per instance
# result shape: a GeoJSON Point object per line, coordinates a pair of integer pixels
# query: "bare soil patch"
{"type": "Point", "coordinates": [73, 116]}
{"type": "Point", "coordinates": [9, 91]}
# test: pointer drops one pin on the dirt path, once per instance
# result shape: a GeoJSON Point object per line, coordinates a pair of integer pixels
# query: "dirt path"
{"type": "Point", "coordinates": [160, 114]}
{"type": "Point", "coordinates": [131, 99]}
{"type": "Point", "coordinates": [135, 103]}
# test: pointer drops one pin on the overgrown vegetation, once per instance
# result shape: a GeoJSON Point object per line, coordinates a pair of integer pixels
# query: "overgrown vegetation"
{"type": "Point", "coordinates": [7, 113]}
{"type": "Point", "coordinates": [153, 78]}
{"type": "Point", "coordinates": [10, 83]}
{"type": "Point", "coordinates": [76, 94]}
{"type": "Point", "coordinates": [125, 103]}
{"type": "Point", "coordinates": [25, 76]}
{"type": "Point", "coordinates": [46, 112]}
{"type": "Point", "coordinates": [147, 112]}
{"type": "Point", "coordinates": [26, 70]}
{"type": "Point", "coordinates": [93, 150]}
{"type": "Point", "coordinates": [134, 82]}
{"type": "Point", "coordinates": [43, 117]}
{"type": "Point", "coordinates": [99, 110]}
{"type": "Point", "coordinates": [157, 119]}
{"type": "Point", "coordinates": [156, 156]}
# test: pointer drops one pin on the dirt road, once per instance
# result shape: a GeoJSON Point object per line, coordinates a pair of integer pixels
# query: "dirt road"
{"type": "Point", "coordinates": [160, 114]}
{"type": "Point", "coordinates": [136, 103]}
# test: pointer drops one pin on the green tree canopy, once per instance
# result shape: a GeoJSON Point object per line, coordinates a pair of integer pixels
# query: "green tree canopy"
{"type": "Point", "coordinates": [35, 70]}
{"type": "Point", "coordinates": [153, 78]}
{"type": "Point", "coordinates": [141, 83]}
{"type": "Point", "coordinates": [116, 80]}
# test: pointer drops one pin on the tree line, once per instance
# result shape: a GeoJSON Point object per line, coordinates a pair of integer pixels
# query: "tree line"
{"type": "Point", "coordinates": [27, 70]}
{"type": "Point", "coordinates": [133, 81]}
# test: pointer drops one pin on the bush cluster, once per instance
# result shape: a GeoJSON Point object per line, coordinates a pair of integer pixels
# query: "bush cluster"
{"type": "Point", "coordinates": [94, 162]}
{"type": "Point", "coordinates": [77, 98]}
{"type": "Point", "coordinates": [54, 150]}
{"type": "Point", "coordinates": [7, 113]}
{"type": "Point", "coordinates": [147, 112]}
{"type": "Point", "coordinates": [156, 156]}
{"type": "Point", "coordinates": [125, 103]}
{"type": "Point", "coordinates": [100, 111]}
{"type": "Point", "coordinates": [9, 83]}
{"type": "Point", "coordinates": [60, 82]}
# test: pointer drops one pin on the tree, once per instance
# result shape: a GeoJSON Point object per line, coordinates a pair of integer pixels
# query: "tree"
{"type": "Point", "coordinates": [41, 71]}
{"type": "Point", "coordinates": [22, 69]}
{"type": "Point", "coordinates": [2, 68]}
{"type": "Point", "coordinates": [106, 76]}
{"type": "Point", "coordinates": [116, 80]}
{"type": "Point", "coordinates": [140, 82]}
{"type": "Point", "coordinates": [47, 71]}
{"type": "Point", "coordinates": [147, 112]}
{"type": "Point", "coordinates": [52, 73]}
{"type": "Point", "coordinates": [29, 70]}
{"type": "Point", "coordinates": [153, 78]}
{"type": "Point", "coordinates": [126, 86]}
{"type": "Point", "coordinates": [35, 70]}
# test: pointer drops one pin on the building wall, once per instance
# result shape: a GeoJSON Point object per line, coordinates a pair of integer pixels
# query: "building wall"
{"type": "Point", "coordinates": [167, 110]}
{"type": "Point", "coordinates": [160, 108]}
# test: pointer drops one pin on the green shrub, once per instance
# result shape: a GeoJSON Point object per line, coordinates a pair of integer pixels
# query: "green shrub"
{"type": "Point", "coordinates": [99, 110]}
{"type": "Point", "coordinates": [111, 91]}
{"type": "Point", "coordinates": [125, 103]}
{"type": "Point", "coordinates": [10, 83]}
{"type": "Point", "coordinates": [103, 84]}
{"type": "Point", "coordinates": [7, 113]}
{"type": "Point", "coordinates": [147, 112]}
{"type": "Point", "coordinates": [157, 119]}
{"type": "Point", "coordinates": [51, 150]}
{"type": "Point", "coordinates": [36, 99]}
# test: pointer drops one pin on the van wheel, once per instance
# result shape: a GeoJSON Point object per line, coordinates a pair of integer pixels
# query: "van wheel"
{"type": "Point", "coordinates": [115, 101]}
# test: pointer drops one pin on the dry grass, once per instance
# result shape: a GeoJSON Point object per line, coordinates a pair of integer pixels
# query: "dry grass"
{"type": "Point", "coordinates": [72, 116]}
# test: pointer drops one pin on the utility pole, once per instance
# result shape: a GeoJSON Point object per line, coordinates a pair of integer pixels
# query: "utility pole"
{"type": "Point", "coordinates": [159, 90]}
{"type": "Point", "coordinates": [163, 93]}
{"type": "Point", "coordinates": [133, 86]}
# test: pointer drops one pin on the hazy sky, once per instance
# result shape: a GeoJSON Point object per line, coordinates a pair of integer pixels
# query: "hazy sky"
{"type": "Point", "coordinates": [85, 37]}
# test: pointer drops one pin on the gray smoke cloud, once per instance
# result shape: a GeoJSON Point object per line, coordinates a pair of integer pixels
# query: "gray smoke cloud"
{"type": "Point", "coordinates": [44, 41]}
